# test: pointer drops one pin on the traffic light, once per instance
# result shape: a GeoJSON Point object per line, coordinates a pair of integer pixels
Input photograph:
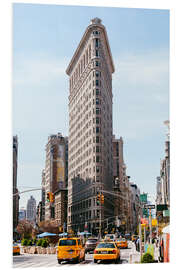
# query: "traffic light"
{"type": "Point", "coordinates": [48, 197]}
{"type": "Point", "coordinates": [102, 199]}
{"type": "Point", "coordinates": [98, 198]}
{"type": "Point", "coordinates": [61, 229]}
{"type": "Point", "coordinates": [51, 197]}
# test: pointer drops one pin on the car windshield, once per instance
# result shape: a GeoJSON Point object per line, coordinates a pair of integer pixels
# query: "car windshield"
{"type": "Point", "coordinates": [68, 242]}
{"type": "Point", "coordinates": [91, 241]}
{"type": "Point", "coordinates": [106, 245]}
{"type": "Point", "coordinates": [110, 237]}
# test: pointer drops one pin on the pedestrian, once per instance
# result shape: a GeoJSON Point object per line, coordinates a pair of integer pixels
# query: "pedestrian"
{"type": "Point", "coordinates": [137, 244]}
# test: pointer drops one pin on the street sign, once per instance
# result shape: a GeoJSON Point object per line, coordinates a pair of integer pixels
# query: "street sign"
{"type": "Point", "coordinates": [145, 212]}
{"type": "Point", "coordinates": [161, 207]}
{"type": "Point", "coordinates": [143, 197]}
{"type": "Point", "coordinates": [149, 206]}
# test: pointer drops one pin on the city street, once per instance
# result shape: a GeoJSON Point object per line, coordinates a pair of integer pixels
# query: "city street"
{"type": "Point", "coordinates": [46, 260]}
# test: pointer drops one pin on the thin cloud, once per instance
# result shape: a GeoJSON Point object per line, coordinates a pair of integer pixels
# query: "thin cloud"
{"type": "Point", "coordinates": [38, 70]}
{"type": "Point", "coordinates": [144, 69]}
{"type": "Point", "coordinates": [140, 94]}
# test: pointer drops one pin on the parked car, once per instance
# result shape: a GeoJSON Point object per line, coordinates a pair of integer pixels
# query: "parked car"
{"type": "Point", "coordinates": [16, 249]}
{"type": "Point", "coordinates": [107, 250]}
{"type": "Point", "coordinates": [127, 236]}
{"type": "Point", "coordinates": [70, 249]}
{"type": "Point", "coordinates": [90, 244]}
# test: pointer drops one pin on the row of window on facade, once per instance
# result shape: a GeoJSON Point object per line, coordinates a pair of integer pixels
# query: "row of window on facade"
{"type": "Point", "coordinates": [83, 205]}
{"type": "Point", "coordinates": [85, 86]}
{"type": "Point", "coordinates": [77, 124]}
{"type": "Point", "coordinates": [83, 97]}
{"type": "Point", "coordinates": [83, 62]}
{"type": "Point", "coordinates": [96, 139]}
{"type": "Point", "coordinates": [82, 149]}
{"type": "Point", "coordinates": [80, 104]}
{"type": "Point", "coordinates": [97, 169]}
{"type": "Point", "coordinates": [84, 216]}
{"type": "Point", "coordinates": [78, 112]}
{"type": "Point", "coordinates": [98, 111]}
{"type": "Point", "coordinates": [94, 130]}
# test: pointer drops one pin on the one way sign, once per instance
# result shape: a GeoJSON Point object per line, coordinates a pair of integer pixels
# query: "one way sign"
{"type": "Point", "coordinates": [149, 206]}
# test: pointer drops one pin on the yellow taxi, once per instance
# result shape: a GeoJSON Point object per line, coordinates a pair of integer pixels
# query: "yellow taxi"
{"type": "Point", "coordinates": [16, 249]}
{"type": "Point", "coordinates": [121, 243]}
{"type": "Point", "coordinates": [70, 249]}
{"type": "Point", "coordinates": [106, 250]}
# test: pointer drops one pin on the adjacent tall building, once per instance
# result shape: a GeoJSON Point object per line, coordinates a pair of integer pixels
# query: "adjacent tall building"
{"type": "Point", "coordinates": [15, 190]}
{"type": "Point", "coordinates": [163, 181]}
{"type": "Point", "coordinates": [90, 129]}
{"type": "Point", "coordinates": [31, 210]}
{"type": "Point", "coordinates": [22, 213]}
{"type": "Point", "coordinates": [55, 179]}
{"type": "Point", "coordinates": [135, 207]}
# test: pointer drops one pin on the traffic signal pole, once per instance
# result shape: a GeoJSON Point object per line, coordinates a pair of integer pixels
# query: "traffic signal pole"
{"type": "Point", "coordinates": [100, 218]}
{"type": "Point", "coordinates": [150, 225]}
{"type": "Point", "coordinates": [144, 236]}
{"type": "Point", "coordinates": [140, 236]}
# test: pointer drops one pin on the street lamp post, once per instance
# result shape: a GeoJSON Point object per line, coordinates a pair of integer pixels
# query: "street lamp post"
{"type": "Point", "coordinates": [100, 217]}
{"type": "Point", "coordinates": [150, 226]}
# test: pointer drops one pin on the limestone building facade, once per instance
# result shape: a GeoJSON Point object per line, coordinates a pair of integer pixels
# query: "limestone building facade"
{"type": "Point", "coordinates": [90, 129]}
{"type": "Point", "coordinates": [54, 178]}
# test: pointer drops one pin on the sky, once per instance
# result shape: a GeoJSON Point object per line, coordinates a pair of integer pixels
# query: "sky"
{"type": "Point", "coordinates": [45, 38]}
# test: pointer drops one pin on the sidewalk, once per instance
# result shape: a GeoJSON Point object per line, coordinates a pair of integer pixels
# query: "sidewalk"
{"type": "Point", "coordinates": [135, 256]}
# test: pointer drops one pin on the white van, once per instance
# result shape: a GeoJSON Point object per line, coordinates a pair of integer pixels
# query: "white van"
{"type": "Point", "coordinates": [110, 237]}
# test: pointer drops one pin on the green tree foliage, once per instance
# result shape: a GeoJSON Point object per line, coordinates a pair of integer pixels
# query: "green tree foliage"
{"type": "Point", "coordinates": [147, 258]}
{"type": "Point", "coordinates": [24, 242]}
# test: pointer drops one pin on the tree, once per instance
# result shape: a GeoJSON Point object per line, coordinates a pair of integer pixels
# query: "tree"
{"type": "Point", "coordinates": [49, 226]}
{"type": "Point", "coordinates": [24, 228]}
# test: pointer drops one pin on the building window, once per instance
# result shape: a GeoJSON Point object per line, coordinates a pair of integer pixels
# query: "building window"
{"type": "Point", "coordinates": [98, 73]}
{"type": "Point", "coordinates": [97, 178]}
{"type": "Point", "coordinates": [97, 42]}
{"type": "Point", "coordinates": [98, 110]}
{"type": "Point", "coordinates": [97, 169]}
{"type": "Point", "coordinates": [97, 92]}
{"type": "Point", "coordinates": [97, 120]}
{"type": "Point", "coordinates": [97, 139]}
{"type": "Point", "coordinates": [97, 101]}
{"type": "Point", "coordinates": [97, 82]}
{"type": "Point", "coordinates": [97, 129]}
{"type": "Point", "coordinates": [98, 159]}
{"type": "Point", "coordinates": [97, 63]}
{"type": "Point", "coordinates": [97, 53]}
{"type": "Point", "coordinates": [96, 32]}
{"type": "Point", "coordinates": [89, 52]}
{"type": "Point", "coordinates": [97, 149]}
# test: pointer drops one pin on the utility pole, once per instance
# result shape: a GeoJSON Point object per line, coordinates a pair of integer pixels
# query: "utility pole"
{"type": "Point", "coordinates": [144, 235]}
{"type": "Point", "coordinates": [140, 236]}
{"type": "Point", "coordinates": [100, 222]}
{"type": "Point", "coordinates": [150, 226]}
